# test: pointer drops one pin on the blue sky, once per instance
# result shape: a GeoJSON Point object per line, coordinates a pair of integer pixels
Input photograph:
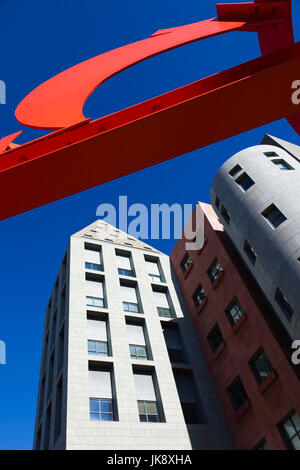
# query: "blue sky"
{"type": "Point", "coordinates": [40, 39]}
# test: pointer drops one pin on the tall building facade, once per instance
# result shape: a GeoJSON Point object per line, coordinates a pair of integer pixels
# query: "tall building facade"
{"type": "Point", "coordinates": [241, 293]}
{"type": "Point", "coordinates": [121, 365]}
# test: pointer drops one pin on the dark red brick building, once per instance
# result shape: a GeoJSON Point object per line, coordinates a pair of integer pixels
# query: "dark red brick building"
{"type": "Point", "coordinates": [247, 350]}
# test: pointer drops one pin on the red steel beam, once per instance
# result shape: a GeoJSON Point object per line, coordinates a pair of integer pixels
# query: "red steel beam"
{"type": "Point", "coordinates": [90, 153]}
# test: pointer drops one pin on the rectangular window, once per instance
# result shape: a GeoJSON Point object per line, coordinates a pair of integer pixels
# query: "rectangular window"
{"type": "Point", "coordinates": [137, 343]}
{"type": "Point", "coordinates": [261, 366]}
{"type": "Point", "coordinates": [283, 304]}
{"type": "Point", "coordinates": [97, 337]}
{"type": "Point", "coordinates": [153, 270]}
{"type": "Point", "coordinates": [215, 338]}
{"type": "Point", "coordinates": [58, 410]}
{"type": "Point", "coordinates": [244, 181]}
{"type": "Point", "coordinates": [250, 252]}
{"type": "Point", "coordinates": [185, 263]}
{"type": "Point", "coordinates": [130, 300]}
{"type": "Point", "coordinates": [214, 270]}
{"type": "Point", "coordinates": [234, 312]}
{"type": "Point", "coordinates": [225, 214]}
{"type": "Point", "coordinates": [217, 202]}
{"type": "Point", "coordinates": [146, 398]}
{"type": "Point", "coordinates": [271, 154]}
{"type": "Point", "coordinates": [93, 259]}
{"type": "Point", "coordinates": [124, 264]}
{"type": "Point", "coordinates": [162, 304]}
{"type": "Point", "coordinates": [274, 216]}
{"type": "Point", "coordinates": [235, 170]}
{"type": "Point", "coordinates": [173, 342]}
{"type": "Point", "coordinates": [100, 391]}
{"type": "Point", "coordinates": [187, 395]}
{"type": "Point", "coordinates": [199, 296]}
{"type": "Point", "coordinates": [282, 164]}
{"type": "Point", "coordinates": [94, 293]}
{"type": "Point", "coordinates": [237, 394]}
{"type": "Point", "coordinates": [290, 430]}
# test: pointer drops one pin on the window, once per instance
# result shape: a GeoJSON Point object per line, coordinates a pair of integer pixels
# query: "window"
{"type": "Point", "coordinates": [274, 216]}
{"type": "Point", "coordinates": [199, 296]}
{"type": "Point", "coordinates": [261, 366]}
{"type": "Point", "coordinates": [215, 270]}
{"type": "Point", "coordinates": [148, 411]}
{"type": "Point", "coordinates": [234, 312]}
{"type": "Point", "coordinates": [215, 338]}
{"type": "Point", "coordinates": [225, 214]}
{"type": "Point", "coordinates": [162, 304]}
{"type": "Point", "coordinates": [290, 430]}
{"type": "Point", "coordinates": [58, 410]}
{"type": "Point", "coordinates": [244, 181]}
{"type": "Point", "coordinates": [282, 164]}
{"type": "Point", "coordinates": [130, 300]}
{"type": "Point", "coordinates": [250, 252]}
{"type": "Point", "coordinates": [173, 342]}
{"type": "Point", "coordinates": [101, 409]}
{"type": "Point", "coordinates": [100, 391]}
{"type": "Point", "coordinates": [185, 263]}
{"type": "Point", "coordinates": [271, 154]}
{"type": "Point", "coordinates": [146, 397]}
{"type": "Point", "coordinates": [93, 257]}
{"type": "Point", "coordinates": [154, 271]}
{"type": "Point", "coordinates": [217, 202]}
{"type": "Point", "coordinates": [95, 294]}
{"type": "Point", "coordinates": [237, 394]}
{"type": "Point", "coordinates": [137, 343]}
{"type": "Point", "coordinates": [263, 445]}
{"type": "Point", "coordinates": [98, 348]}
{"type": "Point", "coordinates": [187, 395]}
{"type": "Point", "coordinates": [124, 264]}
{"type": "Point", "coordinates": [235, 170]}
{"type": "Point", "coordinates": [283, 304]}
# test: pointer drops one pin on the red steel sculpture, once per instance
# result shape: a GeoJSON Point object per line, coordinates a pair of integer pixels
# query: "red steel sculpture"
{"type": "Point", "coordinates": [201, 113]}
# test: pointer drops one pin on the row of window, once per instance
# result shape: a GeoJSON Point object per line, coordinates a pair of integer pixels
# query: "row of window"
{"type": "Point", "coordinates": [125, 266]}
{"type": "Point", "coordinates": [131, 299]}
{"type": "Point", "coordinates": [103, 400]}
{"type": "Point", "coordinates": [99, 343]}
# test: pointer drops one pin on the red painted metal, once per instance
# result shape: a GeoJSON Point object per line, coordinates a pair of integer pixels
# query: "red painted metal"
{"type": "Point", "coordinates": [85, 154]}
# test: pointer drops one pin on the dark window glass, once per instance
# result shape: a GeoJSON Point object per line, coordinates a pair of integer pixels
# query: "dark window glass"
{"type": "Point", "coordinates": [126, 272]}
{"type": "Point", "coordinates": [148, 411]}
{"type": "Point", "coordinates": [244, 181]}
{"type": "Point", "coordinates": [94, 266]}
{"type": "Point", "coordinates": [283, 304]}
{"type": "Point", "coordinates": [176, 355]}
{"type": "Point", "coordinates": [185, 263]}
{"type": "Point", "coordinates": [291, 431]}
{"type": "Point", "coordinates": [190, 413]}
{"type": "Point", "coordinates": [250, 252]}
{"type": "Point", "coordinates": [217, 202]}
{"type": "Point", "coordinates": [225, 214]}
{"type": "Point", "coordinates": [165, 312]}
{"type": "Point", "coordinates": [271, 154]}
{"type": "Point", "coordinates": [261, 366]}
{"type": "Point", "coordinates": [282, 165]}
{"type": "Point", "coordinates": [263, 445]}
{"type": "Point", "coordinates": [237, 394]}
{"type": "Point", "coordinates": [214, 270]}
{"type": "Point", "coordinates": [199, 296]}
{"type": "Point", "coordinates": [235, 170]}
{"type": "Point", "coordinates": [215, 338]}
{"type": "Point", "coordinates": [234, 312]}
{"type": "Point", "coordinates": [274, 215]}
{"type": "Point", "coordinates": [101, 409]}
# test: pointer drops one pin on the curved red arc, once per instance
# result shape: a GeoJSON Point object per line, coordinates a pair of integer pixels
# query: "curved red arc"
{"type": "Point", "coordinates": [59, 101]}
